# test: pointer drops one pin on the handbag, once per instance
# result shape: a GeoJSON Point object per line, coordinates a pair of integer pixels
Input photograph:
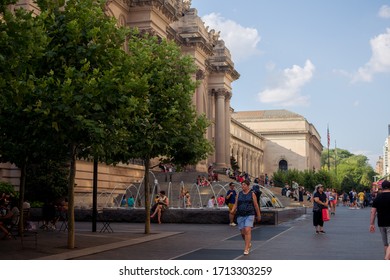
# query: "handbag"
{"type": "Point", "coordinates": [325, 214]}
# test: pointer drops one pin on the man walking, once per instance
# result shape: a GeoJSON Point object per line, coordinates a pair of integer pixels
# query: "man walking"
{"type": "Point", "coordinates": [381, 208]}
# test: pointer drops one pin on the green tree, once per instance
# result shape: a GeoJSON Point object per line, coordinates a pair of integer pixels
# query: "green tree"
{"type": "Point", "coordinates": [307, 178]}
{"type": "Point", "coordinates": [167, 124]}
{"type": "Point", "coordinates": [82, 93]}
{"type": "Point", "coordinates": [347, 183]}
{"type": "Point", "coordinates": [47, 180]}
{"type": "Point", "coordinates": [335, 155]}
{"type": "Point", "coordinates": [22, 44]}
{"type": "Point", "coordinates": [357, 169]}
{"type": "Point", "coordinates": [348, 170]}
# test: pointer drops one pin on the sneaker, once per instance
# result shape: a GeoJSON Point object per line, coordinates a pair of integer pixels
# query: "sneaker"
{"type": "Point", "coordinates": [246, 252]}
{"type": "Point", "coordinates": [233, 224]}
{"type": "Point", "coordinates": [322, 232]}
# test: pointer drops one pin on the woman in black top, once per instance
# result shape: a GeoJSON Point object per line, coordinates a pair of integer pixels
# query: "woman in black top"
{"type": "Point", "coordinates": [320, 202]}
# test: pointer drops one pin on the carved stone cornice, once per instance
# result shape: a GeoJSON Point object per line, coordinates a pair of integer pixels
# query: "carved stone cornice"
{"type": "Point", "coordinates": [172, 9]}
{"type": "Point", "coordinates": [200, 74]}
{"type": "Point", "coordinates": [189, 31]}
{"type": "Point", "coordinates": [221, 61]}
{"type": "Point", "coordinates": [122, 3]}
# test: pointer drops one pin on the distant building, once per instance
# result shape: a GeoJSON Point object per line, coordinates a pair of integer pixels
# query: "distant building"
{"type": "Point", "coordinates": [386, 155]}
{"type": "Point", "coordinates": [291, 142]}
{"type": "Point", "coordinates": [379, 166]}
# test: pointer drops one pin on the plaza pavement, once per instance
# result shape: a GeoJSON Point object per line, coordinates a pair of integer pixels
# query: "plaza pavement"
{"type": "Point", "coordinates": [347, 238]}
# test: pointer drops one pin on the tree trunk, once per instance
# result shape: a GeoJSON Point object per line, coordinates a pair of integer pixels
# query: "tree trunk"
{"type": "Point", "coordinates": [72, 173]}
{"type": "Point", "coordinates": [21, 196]}
{"type": "Point", "coordinates": [147, 196]}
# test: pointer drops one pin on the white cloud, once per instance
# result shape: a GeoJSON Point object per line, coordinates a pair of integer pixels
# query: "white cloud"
{"type": "Point", "coordinates": [384, 12]}
{"type": "Point", "coordinates": [286, 92]}
{"type": "Point", "coordinates": [379, 61]}
{"type": "Point", "coordinates": [241, 41]}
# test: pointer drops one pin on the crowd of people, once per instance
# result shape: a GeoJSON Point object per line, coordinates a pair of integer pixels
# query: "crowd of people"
{"type": "Point", "coordinates": [243, 207]}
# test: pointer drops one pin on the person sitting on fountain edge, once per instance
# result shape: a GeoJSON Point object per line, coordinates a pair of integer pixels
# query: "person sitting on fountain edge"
{"type": "Point", "coordinates": [162, 205]}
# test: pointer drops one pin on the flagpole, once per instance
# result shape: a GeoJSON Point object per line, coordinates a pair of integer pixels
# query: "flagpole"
{"type": "Point", "coordinates": [335, 158]}
{"type": "Point", "coordinates": [328, 138]}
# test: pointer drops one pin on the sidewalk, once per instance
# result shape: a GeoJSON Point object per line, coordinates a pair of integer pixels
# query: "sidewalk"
{"type": "Point", "coordinates": [347, 238]}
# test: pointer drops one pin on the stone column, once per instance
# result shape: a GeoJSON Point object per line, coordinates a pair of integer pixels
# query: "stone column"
{"type": "Point", "coordinates": [235, 152]}
{"type": "Point", "coordinates": [200, 91]}
{"type": "Point", "coordinates": [220, 127]}
{"type": "Point", "coordinates": [228, 96]}
{"type": "Point", "coordinates": [239, 157]}
{"type": "Point", "coordinates": [210, 114]}
{"type": "Point", "coordinates": [244, 160]}
{"type": "Point", "coordinates": [250, 163]}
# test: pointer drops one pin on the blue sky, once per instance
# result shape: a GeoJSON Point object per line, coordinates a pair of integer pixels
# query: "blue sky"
{"type": "Point", "coordinates": [327, 60]}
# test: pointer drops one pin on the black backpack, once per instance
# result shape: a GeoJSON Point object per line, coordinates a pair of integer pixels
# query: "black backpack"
{"type": "Point", "coordinates": [257, 191]}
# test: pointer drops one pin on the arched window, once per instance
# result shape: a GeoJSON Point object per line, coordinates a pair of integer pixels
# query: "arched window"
{"type": "Point", "coordinates": [283, 166]}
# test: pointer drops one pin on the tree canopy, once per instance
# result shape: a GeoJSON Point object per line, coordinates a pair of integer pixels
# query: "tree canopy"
{"type": "Point", "coordinates": [351, 171]}
{"type": "Point", "coordinates": [22, 45]}
{"type": "Point", "coordinates": [68, 86]}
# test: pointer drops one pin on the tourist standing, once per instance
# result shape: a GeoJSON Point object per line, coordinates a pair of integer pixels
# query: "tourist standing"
{"type": "Point", "coordinates": [333, 198]}
{"type": "Point", "coordinates": [247, 208]}
{"type": "Point", "coordinates": [381, 208]}
{"type": "Point", "coordinates": [230, 200]}
{"type": "Point", "coordinates": [320, 201]}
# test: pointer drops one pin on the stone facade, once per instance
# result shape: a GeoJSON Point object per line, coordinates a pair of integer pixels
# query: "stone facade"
{"type": "Point", "coordinates": [291, 142]}
{"type": "Point", "coordinates": [176, 20]}
{"type": "Point", "coordinates": [247, 147]}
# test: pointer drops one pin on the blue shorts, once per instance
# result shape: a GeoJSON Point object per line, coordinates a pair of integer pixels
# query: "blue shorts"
{"type": "Point", "coordinates": [245, 221]}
